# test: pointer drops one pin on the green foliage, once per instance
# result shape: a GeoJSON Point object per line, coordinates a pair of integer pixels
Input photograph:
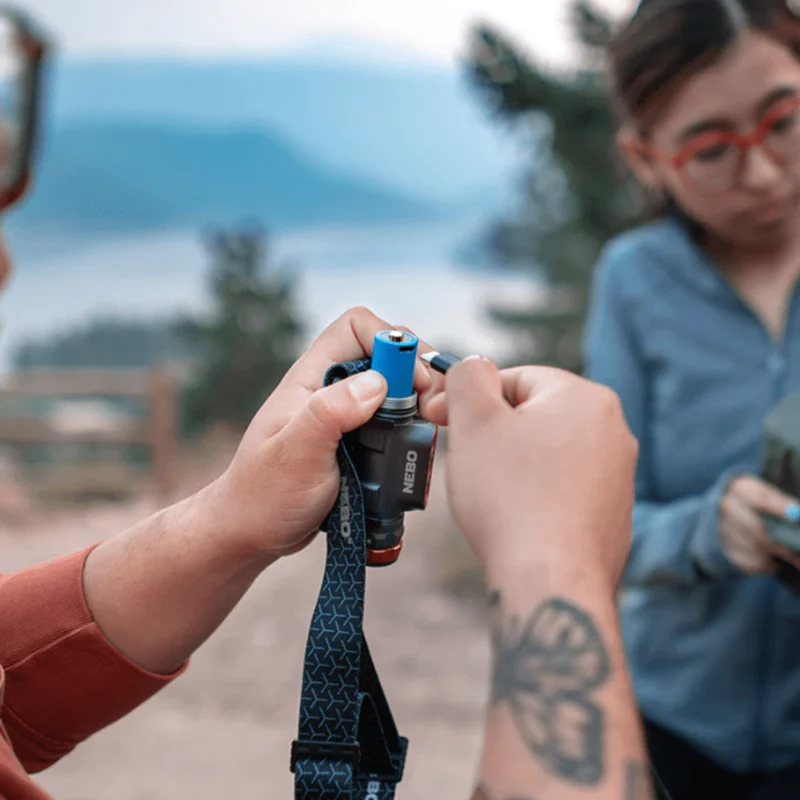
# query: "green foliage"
{"type": "Point", "coordinates": [251, 337]}
{"type": "Point", "coordinates": [575, 193]}
{"type": "Point", "coordinates": [103, 343]}
{"type": "Point", "coordinates": [235, 355]}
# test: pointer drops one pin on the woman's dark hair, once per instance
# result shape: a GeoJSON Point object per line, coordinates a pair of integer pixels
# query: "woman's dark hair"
{"type": "Point", "coordinates": [668, 41]}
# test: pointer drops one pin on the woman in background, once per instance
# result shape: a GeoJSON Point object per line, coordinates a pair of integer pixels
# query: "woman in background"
{"type": "Point", "coordinates": [695, 323]}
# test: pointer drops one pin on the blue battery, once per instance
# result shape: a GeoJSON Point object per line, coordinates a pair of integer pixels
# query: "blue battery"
{"type": "Point", "coordinates": [394, 355]}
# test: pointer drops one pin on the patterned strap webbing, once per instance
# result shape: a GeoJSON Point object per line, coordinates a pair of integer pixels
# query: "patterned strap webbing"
{"type": "Point", "coordinates": [347, 747]}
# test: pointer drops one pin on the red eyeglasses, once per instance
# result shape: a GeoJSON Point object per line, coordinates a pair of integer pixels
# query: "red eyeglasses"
{"type": "Point", "coordinates": [713, 161]}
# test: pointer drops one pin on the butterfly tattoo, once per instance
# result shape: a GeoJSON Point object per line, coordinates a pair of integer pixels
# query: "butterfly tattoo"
{"type": "Point", "coordinates": [545, 672]}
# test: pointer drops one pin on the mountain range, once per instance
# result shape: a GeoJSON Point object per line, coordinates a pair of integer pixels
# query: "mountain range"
{"type": "Point", "coordinates": [293, 140]}
{"type": "Point", "coordinates": [123, 177]}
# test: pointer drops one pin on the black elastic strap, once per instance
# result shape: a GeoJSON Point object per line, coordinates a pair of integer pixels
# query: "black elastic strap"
{"type": "Point", "coordinates": [347, 747]}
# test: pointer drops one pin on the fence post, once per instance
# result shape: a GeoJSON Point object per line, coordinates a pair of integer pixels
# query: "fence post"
{"type": "Point", "coordinates": [163, 422]}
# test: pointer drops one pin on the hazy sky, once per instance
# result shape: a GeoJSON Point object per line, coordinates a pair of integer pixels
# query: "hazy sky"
{"type": "Point", "coordinates": [433, 28]}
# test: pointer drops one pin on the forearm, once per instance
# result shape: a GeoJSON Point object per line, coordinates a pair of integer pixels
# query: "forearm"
{"type": "Point", "coordinates": [562, 720]}
{"type": "Point", "coordinates": [160, 589]}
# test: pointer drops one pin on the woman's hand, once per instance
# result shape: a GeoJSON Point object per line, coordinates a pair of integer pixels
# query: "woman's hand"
{"type": "Point", "coordinates": [284, 478]}
{"type": "Point", "coordinates": [741, 529]}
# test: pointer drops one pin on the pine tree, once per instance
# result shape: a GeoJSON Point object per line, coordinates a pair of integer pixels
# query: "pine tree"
{"type": "Point", "coordinates": [576, 195]}
{"type": "Point", "coordinates": [253, 334]}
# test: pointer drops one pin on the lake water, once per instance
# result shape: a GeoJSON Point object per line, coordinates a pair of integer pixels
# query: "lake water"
{"type": "Point", "coordinates": [407, 274]}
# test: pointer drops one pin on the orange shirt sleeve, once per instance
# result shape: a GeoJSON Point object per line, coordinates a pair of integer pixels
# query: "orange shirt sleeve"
{"type": "Point", "coordinates": [64, 679]}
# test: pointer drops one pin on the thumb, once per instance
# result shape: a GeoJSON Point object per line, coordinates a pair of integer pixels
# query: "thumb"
{"type": "Point", "coordinates": [474, 392]}
{"type": "Point", "coordinates": [335, 410]}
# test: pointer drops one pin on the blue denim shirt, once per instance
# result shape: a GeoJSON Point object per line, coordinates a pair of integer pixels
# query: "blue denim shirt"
{"type": "Point", "coordinates": [714, 654]}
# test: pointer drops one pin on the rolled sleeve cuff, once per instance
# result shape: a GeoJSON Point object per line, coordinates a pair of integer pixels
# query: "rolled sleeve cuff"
{"type": "Point", "coordinates": [64, 678]}
{"type": "Point", "coordinates": [707, 552]}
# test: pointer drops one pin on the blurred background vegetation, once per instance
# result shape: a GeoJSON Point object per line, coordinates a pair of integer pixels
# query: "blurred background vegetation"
{"type": "Point", "coordinates": [576, 194]}
{"type": "Point", "coordinates": [568, 193]}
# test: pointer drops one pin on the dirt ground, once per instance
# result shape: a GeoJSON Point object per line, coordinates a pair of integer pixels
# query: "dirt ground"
{"type": "Point", "coordinates": [224, 728]}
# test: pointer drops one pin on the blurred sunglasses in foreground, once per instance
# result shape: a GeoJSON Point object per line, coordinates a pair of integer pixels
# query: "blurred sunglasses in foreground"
{"type": "Point", "coordinates": [22, 53]}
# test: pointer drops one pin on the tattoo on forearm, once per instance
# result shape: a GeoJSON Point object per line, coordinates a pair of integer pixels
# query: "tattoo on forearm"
{"type": "Point", "coordinates": [545, 672]}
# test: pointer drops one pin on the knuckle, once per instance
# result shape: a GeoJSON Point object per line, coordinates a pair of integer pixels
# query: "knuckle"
{"type": "Point", "coordinates": [358, 313]}
{"type": "Point", "coordinates": [767, 500]}
{"type": "Point", "coordinates": [747, 487]}
{"type": "Point", "coordinates": [615, 404]}
{"type": "Point", "coordinates": [561, 384]}
{"type": "Point", "coordinates": [472, 367]}
{"type": "Point", "coordinates": [359, 318]}
{"type": "Point", "coordinates": [755, 490]}
{"type": "Point", "coordinates": [320, 410]}
{"type": "Point", "coordinates": [611, 405]}
{"type": "Point", "coordinates": [550, 375]}
{"type": "Point", "coordinates": [564, 379]}
{"type": "Point", "coordinates": [735, 485]}
{"type": "Point", "coordinates": [557, 373]}
{"type": "Point", "coordinates": [606, 397]}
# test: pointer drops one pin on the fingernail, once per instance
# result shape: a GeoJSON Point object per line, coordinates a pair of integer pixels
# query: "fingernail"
{"type": "Point", "coordinates": [793, 512]}
{"type": "Point", "coordinates": [423, 375]}
{"type": "Point", "coordinates": [367, 386]}
{"type": "Point", "coordinates": [476, 357]}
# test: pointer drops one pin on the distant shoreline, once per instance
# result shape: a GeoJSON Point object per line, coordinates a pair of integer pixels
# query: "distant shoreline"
{"type": "Point", "coordinates": [409, 274]}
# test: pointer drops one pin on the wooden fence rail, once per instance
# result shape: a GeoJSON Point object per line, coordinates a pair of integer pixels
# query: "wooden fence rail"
{"type": "Point", "coordinates": [157, 431]}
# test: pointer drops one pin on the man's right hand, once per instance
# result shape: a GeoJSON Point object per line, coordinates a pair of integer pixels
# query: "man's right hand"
{"type": "Point", "coordinates": [540, 474]}
{"type": "Point", "coordinates": [741, 529]}
{"type": "Point", "coordinates": [540, 468]}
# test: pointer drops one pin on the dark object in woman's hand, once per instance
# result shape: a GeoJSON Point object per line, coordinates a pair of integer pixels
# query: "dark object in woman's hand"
{"type": "Point", "coordinates": [780, 466]}
{"type": "Point", "coordinates": [787, 574]}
